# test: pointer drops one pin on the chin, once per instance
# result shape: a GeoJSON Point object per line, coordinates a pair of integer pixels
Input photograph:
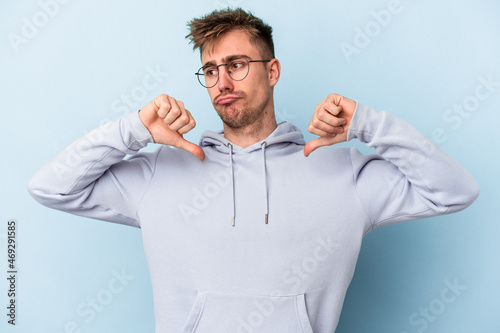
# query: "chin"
{"type": "Point", "coordinates": [227, 110]}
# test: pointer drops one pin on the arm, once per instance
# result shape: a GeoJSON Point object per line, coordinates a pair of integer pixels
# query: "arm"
{"type": "Point", "coordinates": [91, 177]}
{"type": "Point", "coordinates": [411, 178]}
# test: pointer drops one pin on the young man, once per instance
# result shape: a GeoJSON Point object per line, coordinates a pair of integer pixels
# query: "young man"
{"type": "Point", "coordinates": [244, 233]}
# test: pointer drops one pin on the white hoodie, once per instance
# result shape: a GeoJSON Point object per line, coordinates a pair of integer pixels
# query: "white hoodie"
{"type": "Point", "coordinates": [256, 239]}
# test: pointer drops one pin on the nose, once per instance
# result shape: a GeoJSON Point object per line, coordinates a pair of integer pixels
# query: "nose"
{"type": "Point", "coordinates": [225, 82]}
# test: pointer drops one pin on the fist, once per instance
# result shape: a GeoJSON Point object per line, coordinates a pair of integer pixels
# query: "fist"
{"type": "Point", "coordinates": [330, 121]}
{"type": "Point", "coordinates": [167, 120]}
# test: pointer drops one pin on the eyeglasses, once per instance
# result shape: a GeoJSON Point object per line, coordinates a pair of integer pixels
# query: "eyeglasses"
{"type": "Point", "coordinates": [237, 69]}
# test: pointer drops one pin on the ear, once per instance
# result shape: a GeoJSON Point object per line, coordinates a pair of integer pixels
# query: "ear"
{"type": "Point", "coordinates": [274, 71]}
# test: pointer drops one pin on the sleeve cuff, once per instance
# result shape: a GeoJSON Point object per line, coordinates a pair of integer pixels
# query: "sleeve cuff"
{"type": "Point", "coordinates": [139, 134]}
{"type": "Point", "coordinates": [354, 123]}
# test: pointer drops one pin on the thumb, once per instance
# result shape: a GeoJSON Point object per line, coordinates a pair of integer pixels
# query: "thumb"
{"type": "Point", "coordinates": [319, 142]}
{"type": "Point", "coordinates": [190, 147]}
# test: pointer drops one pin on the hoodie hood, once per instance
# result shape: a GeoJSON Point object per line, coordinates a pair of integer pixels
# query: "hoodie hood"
{"type": "Point", "coordinates": [284, 135]}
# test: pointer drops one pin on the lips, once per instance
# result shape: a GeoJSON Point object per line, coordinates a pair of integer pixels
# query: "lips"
{"type": "Point", "coordinates": [226, 100]}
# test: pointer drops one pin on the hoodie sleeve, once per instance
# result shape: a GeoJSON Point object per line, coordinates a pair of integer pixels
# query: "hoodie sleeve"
{"type": "Point", "coordinates": [411, 178]}
{"type": "Point", "coordinates": [91, 178]}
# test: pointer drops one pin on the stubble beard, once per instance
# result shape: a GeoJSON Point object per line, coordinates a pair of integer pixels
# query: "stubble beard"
{"type": "Point", "coordinates": [243, 119]}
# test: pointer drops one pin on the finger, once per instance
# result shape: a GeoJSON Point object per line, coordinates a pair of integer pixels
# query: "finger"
{"type": "Point", "coordinates": [330, 119]}
{"type": "Point", "coordinates": [331, 132]}
{"type": "Point", "coordinates": [174, 112]}
{"type": "Point", "coordinates": [190, 147]}
{"type": "Point", "coordinates": [319, 127]}
{"type": "Point", "coordinates": [319, 142]}
{"type": "Point", "coordinates": [149, 113]}
{"type": "Point", "coordinates": [332, 108]}
{"type": "Point", "coordinates": [162, 105]}
{"type": "Point", "coordinates": [323, 115]}
{"type": "Point", "coordinates": [334, 99]}
{"type": "Point", "coordinates": [315, 144]}
{"type": "Point", "coordinates": [189, 126]}
{"type": "Point", "coordinates": [182, 121]}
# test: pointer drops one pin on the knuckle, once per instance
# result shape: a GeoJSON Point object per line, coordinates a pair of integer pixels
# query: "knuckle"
{"type": "Point", "coordinates": [314, 130]}
{"type": "Point", "coordinates": [166, 105]}
{"type": "Point", "coordinates": [323, 115]}
{"type": "Point", "coordinates": [175, 111]}
{"type": "Point", "coordinates": [163, 99]}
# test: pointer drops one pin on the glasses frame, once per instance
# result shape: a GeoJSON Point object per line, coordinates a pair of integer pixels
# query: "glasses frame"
{"type": "Point", "coordinates": [200, 74]}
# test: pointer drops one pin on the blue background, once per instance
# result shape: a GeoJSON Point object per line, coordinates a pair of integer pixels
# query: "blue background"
{"type": "Point", "coordinates": [77, 67]}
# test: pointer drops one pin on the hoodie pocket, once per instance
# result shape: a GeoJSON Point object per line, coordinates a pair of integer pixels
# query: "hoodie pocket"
{"type": "Point", "coordinates": [222, 313]}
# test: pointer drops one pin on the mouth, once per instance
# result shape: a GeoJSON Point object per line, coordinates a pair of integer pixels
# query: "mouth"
{"type": "Point", "coordinates": [226, 100]}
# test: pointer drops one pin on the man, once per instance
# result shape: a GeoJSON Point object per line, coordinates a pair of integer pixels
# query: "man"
{"type": "Point", "coordinates": [244, 233]}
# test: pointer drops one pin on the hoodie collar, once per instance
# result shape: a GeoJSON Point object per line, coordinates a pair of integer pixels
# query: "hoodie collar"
{"type": "Point", "coordinates": [282, 136]}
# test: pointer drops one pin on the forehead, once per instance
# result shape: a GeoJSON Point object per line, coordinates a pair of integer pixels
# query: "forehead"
{"type": "Point", "coordinates": [232, 43]}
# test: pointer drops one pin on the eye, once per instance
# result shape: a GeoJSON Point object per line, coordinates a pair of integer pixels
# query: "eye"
{"type": "Point", "coordinates": [237, 65]}
{"type": "Point", "coordinates": [210, 71]}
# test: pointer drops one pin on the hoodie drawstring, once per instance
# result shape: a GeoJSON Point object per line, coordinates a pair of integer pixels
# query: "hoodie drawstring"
{"type": "Point", "coordinates": [230, 146]}
{"type": "Point", "coordinates": [266, 196]}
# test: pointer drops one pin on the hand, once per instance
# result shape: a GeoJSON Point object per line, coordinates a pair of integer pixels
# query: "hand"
{"type": "Point", "coordinates": [330, 121]}
{"type": "Point", "coordinates": [167, 120]}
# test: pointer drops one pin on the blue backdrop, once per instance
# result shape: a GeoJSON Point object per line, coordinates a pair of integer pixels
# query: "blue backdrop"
{"type": "Point", "coordinates": [67, 66]}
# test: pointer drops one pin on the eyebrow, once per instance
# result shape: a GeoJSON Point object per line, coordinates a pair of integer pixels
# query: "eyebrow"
{"type": "Point", "coordinates": [226, 59]}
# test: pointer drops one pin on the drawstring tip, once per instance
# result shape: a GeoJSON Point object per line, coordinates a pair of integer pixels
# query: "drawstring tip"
{"type": "Point", "coordinates": [233, 221]}
{"type": "Point", "coordinates": [267, 218]}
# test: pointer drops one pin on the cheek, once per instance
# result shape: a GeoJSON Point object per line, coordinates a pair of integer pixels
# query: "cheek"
{"type": "Point", "coordinates": [213, 92]}
{"type": "Point", "coordinates": [258, 92]}
{"type": "Point", "coordinates": [260, 84]}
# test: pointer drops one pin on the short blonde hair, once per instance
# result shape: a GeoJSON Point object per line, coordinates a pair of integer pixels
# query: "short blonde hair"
{"type": "Point", "coordinates": [205, 30]}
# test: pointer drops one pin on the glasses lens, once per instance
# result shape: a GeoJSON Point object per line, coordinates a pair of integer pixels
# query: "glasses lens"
{"type": "Point", "coordinates": [208, 76]}
{"type": "Point", "coordinates": [238, 69]}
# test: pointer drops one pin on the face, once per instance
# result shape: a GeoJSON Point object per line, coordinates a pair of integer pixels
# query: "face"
{"type": "Point", "coordinates": [246, 102]}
